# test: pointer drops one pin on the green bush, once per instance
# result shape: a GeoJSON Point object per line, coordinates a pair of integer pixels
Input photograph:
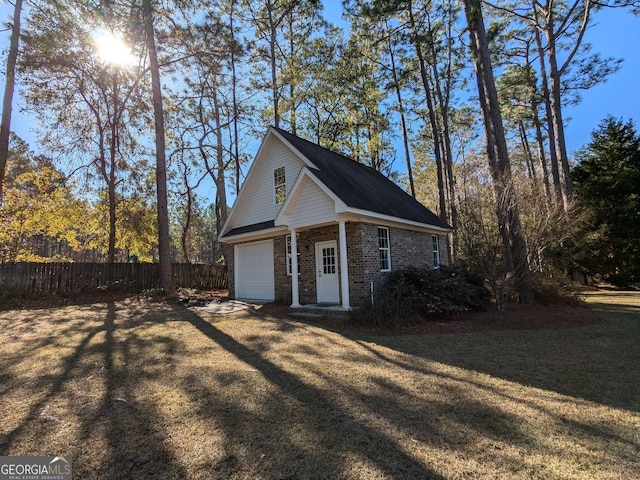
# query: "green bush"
{"type": "Point", "coordinates": [414, 295]}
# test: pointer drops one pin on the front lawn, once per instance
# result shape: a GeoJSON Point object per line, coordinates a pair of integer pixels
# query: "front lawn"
{"type": "Point", "coordinates": [138, 389]}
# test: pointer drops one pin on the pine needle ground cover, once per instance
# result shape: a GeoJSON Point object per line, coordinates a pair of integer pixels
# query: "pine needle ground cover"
{"type": "Point", "coordinates": [139, 389]}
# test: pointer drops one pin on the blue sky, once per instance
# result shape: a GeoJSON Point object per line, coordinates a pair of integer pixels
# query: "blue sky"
{"type": "Point", "coordinates": [616, 34]}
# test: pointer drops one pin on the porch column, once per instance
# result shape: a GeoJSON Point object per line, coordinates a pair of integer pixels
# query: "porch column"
{"type": "Point", "coordinates": [344, 266]}
{"type": "Point", "coordinates": [295, 292]}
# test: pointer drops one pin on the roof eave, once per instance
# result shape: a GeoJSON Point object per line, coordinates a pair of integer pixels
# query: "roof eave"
{"type": "Point", "coordinates": [255, 235]}
{"type": "Point", "coordinates": [359, 213]}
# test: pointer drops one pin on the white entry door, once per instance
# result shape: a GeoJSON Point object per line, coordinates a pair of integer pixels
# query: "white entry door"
{"type": "Point", "coordinates": [327, 272]}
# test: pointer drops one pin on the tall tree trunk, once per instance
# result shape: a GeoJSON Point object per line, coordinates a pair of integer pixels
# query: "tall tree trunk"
{"type": "Point", "coordinates": [437, 150]}
{"type": "Point", "coordinates": [111, 192]}
{"type": "Point", "coordinates": [221, 192]}
{"type": "Point", "coordinates": [185, 238]}
{"type": "Point", "coordinates": [556, 118]}
{"type": "Point", "coordinates": [542, 159]}
{"type": "Point", "coordinates": [234, 92]}
{"type": "Point", "coordinates": [443, 101]}
{"type": "Point", "coordinates": [292, 87]}
{"type": "Point", "coordinates": [9, 86]}
{"type": "Point", "coordinates": [274, 74]}
{"type": "Point", "coordinates": [107, 175]}
{"type": "Point", "coordinates": [556, 73]}
{"type": "Point", "coordinates": [164, 248]}
{"type": "Point", "coordinates": [216, 173]}
{"type": "Point", "coordinates": [292, 109]}
{"type": "Point", "coordinates": [524, 140]}
{"type": "Point", "coordinates": [508, 215]}
{"type": "Point", "coordinates": [535, 117]}
{"type": "Point", "coordinates": [107, 167]}
{"type": "Point", "coordinates": [405, 137]}
{"type": "Point", "coordinates": [111, 179]}
{"type": "Point", "coordinates": [553, 156]}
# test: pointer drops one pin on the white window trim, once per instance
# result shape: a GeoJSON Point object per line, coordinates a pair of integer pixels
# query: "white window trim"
{"type": "Point", "coordinates": [287, 243]}
{"type": "Point", "coordinates": [275, 187]}
{"type": "Point", "coordinates": [435, 243]}
{"type": "Point", "coordinates": [387, 248]}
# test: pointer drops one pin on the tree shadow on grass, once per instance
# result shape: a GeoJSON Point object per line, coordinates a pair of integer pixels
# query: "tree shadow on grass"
{"type": "Point", "coordinates": [500, 425]}
{"type": "Point", "coordinates": [322, 422]}
{"type": "Point", "coordinates": [599, 363]}
{"type": "Point", "coordinates": [56, 383]}
{"type": "Point", "coordinates": [132, 430]}
{"type": "Point", "coordinates": [275, 423]}
{"type": "Point", "coordinates": [309, 434]}
{"type": "Point", "coordinates": [118, 437]}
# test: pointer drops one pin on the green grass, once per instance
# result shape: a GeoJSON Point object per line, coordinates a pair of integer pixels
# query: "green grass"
{"type": "Point", "coordinates": [141, 389]}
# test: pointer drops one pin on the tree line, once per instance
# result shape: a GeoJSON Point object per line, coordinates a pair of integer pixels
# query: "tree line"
{"type": "Point", "coordinates": [468, 96]}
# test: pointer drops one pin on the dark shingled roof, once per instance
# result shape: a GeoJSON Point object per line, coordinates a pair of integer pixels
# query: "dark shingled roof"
{"type": "Point", "coordinates": [250, 228]}
{"type": "Point", "coordinates": [360, 186]}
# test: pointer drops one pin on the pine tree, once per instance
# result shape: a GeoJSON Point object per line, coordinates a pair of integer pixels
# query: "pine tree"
{"type": "Point", "coordinates": [607, 185]}
{"type": "Point", "coordinates": [514, 246]}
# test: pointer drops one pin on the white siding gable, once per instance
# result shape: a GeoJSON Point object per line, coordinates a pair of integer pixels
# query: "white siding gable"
{"type": "Point", "coordinates": [256, 201]}
{"type": "Point", "coordinates": [309, 205]}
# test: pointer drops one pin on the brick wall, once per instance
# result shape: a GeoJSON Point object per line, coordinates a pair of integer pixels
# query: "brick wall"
{"type": "Point", "coordinates": [282, 280]}
{"type": "Point", "coordinates": [411, 248]}
{"type": "Point", "coordinates": [307, 268]}
{"type": "Point", "coordinates": [407, 248]}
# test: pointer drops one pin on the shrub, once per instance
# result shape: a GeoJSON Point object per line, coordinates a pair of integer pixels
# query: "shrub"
{"type": "Point", "coordinates": [413, 295]}
{"type": "Point", "coordinates": [554, 291]}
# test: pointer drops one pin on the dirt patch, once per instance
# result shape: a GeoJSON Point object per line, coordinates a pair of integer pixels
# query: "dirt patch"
{"type": "Point", "coordinates": [195, 298]}
{"type": "Point", "coordinates": [47, 300]}
{"type": "Point", "coordinates": [188, 298]}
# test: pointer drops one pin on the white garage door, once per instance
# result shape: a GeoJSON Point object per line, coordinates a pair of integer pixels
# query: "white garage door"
{"type": "Point", "coordinates": [254, 271]}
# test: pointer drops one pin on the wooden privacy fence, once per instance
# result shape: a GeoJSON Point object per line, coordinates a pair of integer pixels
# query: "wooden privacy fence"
{"type": "Point", "coordinates": [26, 277]}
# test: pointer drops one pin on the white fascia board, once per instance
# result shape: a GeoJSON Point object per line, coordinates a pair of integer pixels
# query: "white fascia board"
{"type": "Point", "coordinates": [373, 217]}
{"type": "Point", "coordinates": [282, 216]}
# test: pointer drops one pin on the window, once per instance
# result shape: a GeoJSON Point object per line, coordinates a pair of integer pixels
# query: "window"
{"type": "Point", "coordinates": [436, 251]}
{"type": "Point", "coordinates": [279, 185]}
{"type": "Point", "coordinates": [329, 260]}
{"type": "Point", "coordinates": [289, 267]}
{"type": "Point", "coordinates": [383, 249]}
